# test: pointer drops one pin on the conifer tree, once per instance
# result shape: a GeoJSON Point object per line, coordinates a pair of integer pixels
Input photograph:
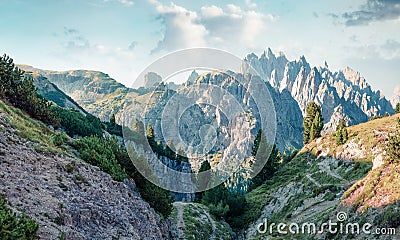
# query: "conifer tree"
{"type": "Point", "coordinates": [341, 133]}
{"type": "Point", "coordinates": [313, 122]}
{"type": "Point", "coordinates": [267, 163]}
{"type": "Point", "coordinates": [150, 137]}
{"type": "Point", "coordinates": [138, 126]}
{"type": "Point", "coordinates": [169, 151]}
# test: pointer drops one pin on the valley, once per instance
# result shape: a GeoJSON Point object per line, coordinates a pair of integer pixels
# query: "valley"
{"type": "Point", "coordinates": [77, 177]}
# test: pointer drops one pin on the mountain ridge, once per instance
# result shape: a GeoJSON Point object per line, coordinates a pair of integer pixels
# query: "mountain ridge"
{"type": "Point", "coordinates": [345, 87]}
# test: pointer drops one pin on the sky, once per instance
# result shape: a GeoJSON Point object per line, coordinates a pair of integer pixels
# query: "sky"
{"type": "Point", "coordinates": [122, 37]}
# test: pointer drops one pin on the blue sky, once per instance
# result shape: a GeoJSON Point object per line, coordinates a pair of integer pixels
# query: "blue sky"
{"type": "Point", "coordinates": [121, 37]}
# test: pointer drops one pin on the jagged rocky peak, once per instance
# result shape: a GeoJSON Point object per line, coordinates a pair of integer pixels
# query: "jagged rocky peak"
{"type": "Point", "coordinates": [152, 79]}
{"type": "Point", "coordinates": [192, 77]}
{"type": "Point", "coordinates": [326, 65]}
{"type": "Point", "coordinates": [355, 77]}
{"type": "Point", "coordinates": [396, 96]}
{"type": "Point", "coordinates": [347, 87]}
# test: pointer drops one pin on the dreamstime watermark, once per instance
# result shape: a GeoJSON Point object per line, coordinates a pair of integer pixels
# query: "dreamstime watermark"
{"type": "Point", "coordinates": [341, 226]}
{"type": "Point", "coordinates": [216, 113]}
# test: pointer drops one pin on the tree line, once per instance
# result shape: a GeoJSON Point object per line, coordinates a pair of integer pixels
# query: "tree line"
{"type": "Point", "coordinates": [19, 90]}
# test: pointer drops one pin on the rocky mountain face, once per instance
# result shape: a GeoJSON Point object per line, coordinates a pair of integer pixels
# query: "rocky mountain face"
{"type": "Point", "coordinates": [343, 94]}
{"type": "Point", "coordinates": [95, 91]}
{"type": "Point", "coordinates": [51, 92]}
{"type": "Point", "coordinates": [68, 198]}
{"type": "Point", "coordinates": [395, 99]}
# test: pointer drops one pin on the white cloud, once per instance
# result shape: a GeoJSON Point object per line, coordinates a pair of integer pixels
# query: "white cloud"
{"type": "Point", "coordinates": [182, 28]}
{"type": "Point", "coordinates": [388, 50]}
{"type": "Point", "coordinates": [210, 26]}
{"type": "Point", "coordinates": [211, 11]}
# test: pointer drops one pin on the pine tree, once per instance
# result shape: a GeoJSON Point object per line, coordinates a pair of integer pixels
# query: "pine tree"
{"type": "Point", "coordinates": [204, 180]}
{"type": "Point", "coordinates": [21, 92]}
{"type": "Point", "coordinates": [313, 122]}
{"type": "Point", "coordinates": [181, 155]}
{"type": "Point", "coordinates": [341, 134]}
{"type": "Point", "coordinates": [112, 118]}
{"type": "Point", "coordinates": [397, 110]}
{"type": "Point", "coordinates": [169, 151]}
{"type": "Point", "coordinates": [138, 126]}
{"type": "Point", "coordinates": [150, 132]}
{"type": "Point", "coordinates": [267, 163]}
{"type": "Point", "coordinates": [256, 144]}
{"type": "Point", "coordinates": [151, 138]}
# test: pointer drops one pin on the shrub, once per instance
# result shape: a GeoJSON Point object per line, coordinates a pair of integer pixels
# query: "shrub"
{"type": "Point", "coordinates": [75, 123]}
{"type": "Point", "coordinates": [99, 152]}
{"type": "Point", "coordinates": [223, 203]}
{"type": "Point", "coordinates": [13, 226]}
{"type": "Point", "coordinates": [60, 139]}
{"type": "Point", "coordinates": [397, 109]}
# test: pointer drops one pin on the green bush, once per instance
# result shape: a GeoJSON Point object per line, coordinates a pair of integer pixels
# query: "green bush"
{"type": "Point", "coordinates": [224, 203]}
{"type": "Point", "coordinates": [100, 152]}
{"type": "Point", "coordinates": [75, 123]}
{"type": "Point", "coordinates": [220, 210]}
{"type": "Point", "coordinates": [60, 139]}
{"type": "Point", "coordinates": [13, 226]}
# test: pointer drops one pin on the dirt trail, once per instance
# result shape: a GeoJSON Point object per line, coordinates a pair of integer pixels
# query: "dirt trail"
{"type": "Point", "coordinates": [324, 166]}
{"type": "Point", "coordinates": [313, 180]}
{"type": "Point", "coordinates": [180, 223]}
{"type": "Point", "coordinates": [212, 237]}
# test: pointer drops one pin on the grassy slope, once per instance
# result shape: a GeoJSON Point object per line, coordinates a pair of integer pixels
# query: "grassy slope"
{"type": "Point", "coordinates": [309, 173]}
{"type": "Point", "coordinates": [30, 129]}
{"type": "Point", "coordinates": [366, 141]}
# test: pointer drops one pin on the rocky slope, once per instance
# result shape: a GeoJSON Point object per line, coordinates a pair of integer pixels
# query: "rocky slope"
{"type": "Point", "coordinates": [343, 94]}
{"type": "Point", "coordinates": [67, 197]}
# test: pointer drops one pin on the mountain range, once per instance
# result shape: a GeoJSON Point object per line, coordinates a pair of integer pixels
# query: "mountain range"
{"type": "Point", "coordinates": [344, 94]}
